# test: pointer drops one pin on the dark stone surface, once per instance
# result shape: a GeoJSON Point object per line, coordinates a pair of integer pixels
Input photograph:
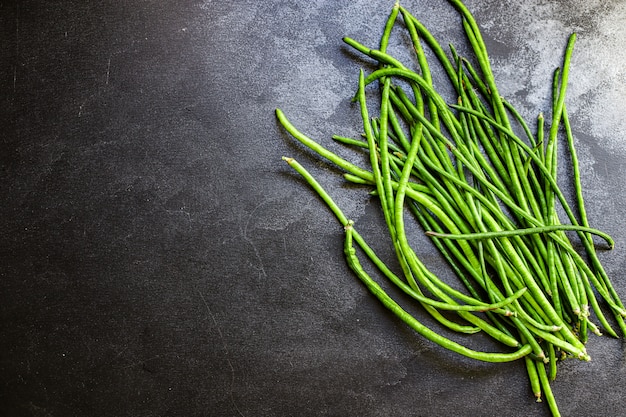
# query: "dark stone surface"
{"type": "Point", "coordinates": [159, 259]}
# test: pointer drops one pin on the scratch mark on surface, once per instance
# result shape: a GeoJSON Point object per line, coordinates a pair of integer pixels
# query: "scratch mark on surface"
{"type": "Point", "coordinates": [226, 352]}
{"type": "Point", "coordinates": [139, 362]}
{"type": "Point", "coordinates": [183, 210]}
{"type": "Point", "coordinates": [108, 70]}
{"type": "Point", "coordinates": [244, 234]}
{"type": "Point", "coordinates": [17, 45]}
{"type": "Point", "coordinates": [117, 356]}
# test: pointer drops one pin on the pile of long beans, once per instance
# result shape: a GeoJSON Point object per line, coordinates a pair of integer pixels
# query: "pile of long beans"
{"type": "Point", "coordinates": [489, 200]}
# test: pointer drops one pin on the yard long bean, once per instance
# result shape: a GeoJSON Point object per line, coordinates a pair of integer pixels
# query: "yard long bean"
{"type": "Point", "coordinates": [487, 199]}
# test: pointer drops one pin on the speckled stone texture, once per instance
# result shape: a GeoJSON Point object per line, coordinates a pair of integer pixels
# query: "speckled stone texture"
{"type": "Point", "coordinates": [159, 259]}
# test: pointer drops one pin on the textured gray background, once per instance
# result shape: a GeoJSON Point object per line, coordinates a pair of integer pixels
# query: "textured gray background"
{"type": "Point", "coordinates": [159, 259]}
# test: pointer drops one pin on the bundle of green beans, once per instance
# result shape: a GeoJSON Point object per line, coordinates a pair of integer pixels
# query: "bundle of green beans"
{"type": "Point", "coordinates": [488, 198]}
